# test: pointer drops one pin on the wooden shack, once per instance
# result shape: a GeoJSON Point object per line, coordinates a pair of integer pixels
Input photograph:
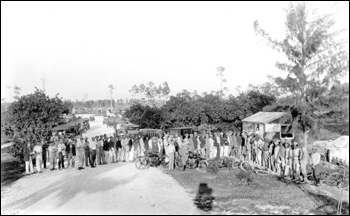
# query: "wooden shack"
{"type": "Point", "coordinates": [270, 125]}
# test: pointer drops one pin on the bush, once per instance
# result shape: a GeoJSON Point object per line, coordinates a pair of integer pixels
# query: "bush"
{"type": "Point", "coordinates": [213, 167]}
{"type": "Point", "coordinates": [244, 177]}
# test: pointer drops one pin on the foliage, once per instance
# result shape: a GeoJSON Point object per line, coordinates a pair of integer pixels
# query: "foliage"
{"type": "Point", "coordinates": [213, 166]}
{"type": "Point", "coordinates": [202, 112]}
{"type": "Point", "coordinates": [244, 177]}
{"type": "Point", "coordinates": [316, 61]}
{"type": "Point", "coordinates": [220, 73]}
{"type": "Point", "coordinates": [151, 91]}
{"type": "Point", "coordinates": [145, 116]}
{"type": "Point", "coordinates": [32, 117]}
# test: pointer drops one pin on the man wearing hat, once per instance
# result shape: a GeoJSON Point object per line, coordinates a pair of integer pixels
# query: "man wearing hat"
{"type": "Point", "coordinates": [53, 154]}
{"type": "Point", "coordinates": [102, 155]}
{"type": "Point", "coordinates": [71, 152]}
{"type": "Point", "coordinates": [38, 156]}
{"type": "Point", "coordinates": [61, 148]}
{"type": "Point", "coordinates": [87, 152]}
{"type": "Point", "coordinates": [283, 155]}
{"type": "Point", "coordinates": [93, 150]}
{"type": "Point", "coordinates": [44, 146]}
{"type": "Point", "coordinates": [98, 151]}
{"type": "Point", "coordinates": [288, 160]}
{"type": "Point", "coordinates": [260, 149]}
{"type": "Point", "coordinates": [125, 148]}
{"type": "Point", "coordinates": [111, 155]}
{"type": "Point", "coordinates": [296, 162]}
{"type": "Point", "coordinates": [265, 159]}
{"type": "Point", "coordinates": [81, 153]}
{"type": "Point", "coordinates": [277, 155]}
{"type": "Point", "coordinates": [271, 156]}
{"type": "Point", "coordinates": [315, 163]}
{"type": "Point", "coordinates": [304, 158]}
{"type": "Point", "coordinates": [28, 159]}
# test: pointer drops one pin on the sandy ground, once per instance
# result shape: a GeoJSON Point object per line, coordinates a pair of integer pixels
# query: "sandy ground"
{"type": "Point", "coordinates": [109, 189]}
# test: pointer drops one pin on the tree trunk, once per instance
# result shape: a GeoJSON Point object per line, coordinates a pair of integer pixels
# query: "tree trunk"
{"type": "Point", "coordinates": [305, 138]}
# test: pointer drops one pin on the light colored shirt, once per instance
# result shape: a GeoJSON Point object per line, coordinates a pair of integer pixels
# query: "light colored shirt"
{"type": "Point", "coordinates": [53, 148]}
{"type": "Point", "coordinates": [211, 141]}
{"type": "Point", "coordinates": [296, 153]}
{"type": "Point", "coordinates": [61, 147]}
{"type": "Point", "coordinates": [38, 150]}
{"type": "Point", "coordinates": [170, 149]}
{"type": "Point", "coordinates": [150, 144]}
{"type": "Point", "coordinates": [304, 154]}
{"type": "Point", "coordinates": [142, 144]}
{"type": "Point", "coordinates": [218, 140]}
{"type": "Point", "coordinates": [93, 145]}
{"type": "Point", "coordinates": [207, 143]}
{"type": "Point", "coordinates": [315, 158]}
{"type": "Point", "coordinates": [125, 142]}
{"type": "Point", "coordinates": [199, 144]}
{"type": "Point", "coordinates": [277, 150]}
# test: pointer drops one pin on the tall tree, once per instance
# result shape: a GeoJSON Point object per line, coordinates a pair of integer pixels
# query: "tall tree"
{"type": "Point", "coordinates": [111, 89]}
{"type": "Point", "coordinates": [317, 58]}
{"type": "Point", "coordinates": [142, 89]}
{"type": "Point", "coordinates": [32, 117]}
{"type": "Point", "coordinates": [17, 91]}
{"type": "Point", "coordinates": [166, 90]}
{"type": "Point", "coordinates": [220, 73]}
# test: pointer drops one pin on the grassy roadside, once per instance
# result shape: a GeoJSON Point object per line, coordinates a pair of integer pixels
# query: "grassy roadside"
{"type": "Point", "coordinates": [224, 194]}
{"type": "Point", "coordinates": [11, 169]}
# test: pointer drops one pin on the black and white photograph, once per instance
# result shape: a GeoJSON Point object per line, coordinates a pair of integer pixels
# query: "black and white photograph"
{"type": "Point", "coordinates": [174, 108]}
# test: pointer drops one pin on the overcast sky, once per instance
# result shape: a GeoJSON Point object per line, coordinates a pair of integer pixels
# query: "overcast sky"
{"type": "Point", "coordinates": [82, 47]}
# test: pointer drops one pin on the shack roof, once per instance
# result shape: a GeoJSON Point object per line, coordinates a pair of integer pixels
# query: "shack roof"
{"type": "Point", "coordinates": [264, 117]}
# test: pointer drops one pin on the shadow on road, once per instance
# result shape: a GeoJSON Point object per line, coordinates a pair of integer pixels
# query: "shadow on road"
{"type": "Point", "coordinates": [204, 198]}
{"type": "Point", "coordinates": [66, 188]}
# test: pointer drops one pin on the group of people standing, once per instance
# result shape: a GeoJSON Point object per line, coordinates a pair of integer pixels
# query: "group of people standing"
{"type": "Point", "coordinates": [277, 155]}
{"type": "Point", "coordinates": [282, 157]}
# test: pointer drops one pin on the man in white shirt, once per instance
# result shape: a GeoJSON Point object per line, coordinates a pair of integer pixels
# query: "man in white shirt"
{"type": "Point", "coordinates": [315, 163]}
{"type": "Point", "coordinates": [61, 149]}
{"type": "Point", "coordinates": [213, 149]}
{"type": "Point", "coordinates": [171, 152]}
{"type": "Point", "coordinates": [142, 146]}
{"type": "Point", "coordinates": [38, 156]}
{"type": "Point", "coordinates": [93, 149]}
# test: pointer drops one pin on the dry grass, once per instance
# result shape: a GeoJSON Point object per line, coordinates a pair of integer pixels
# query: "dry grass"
{"type": "Point", "coordinates": [11, 168]}
{"type": "Point", "coordinates": [264, 195]}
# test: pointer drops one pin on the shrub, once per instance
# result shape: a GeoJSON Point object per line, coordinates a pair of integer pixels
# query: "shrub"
{"type": "Point", "coordinates": [244, 177]}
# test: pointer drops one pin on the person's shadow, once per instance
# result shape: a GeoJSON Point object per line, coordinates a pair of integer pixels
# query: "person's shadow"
{"type": "Point", "coordinates": [204, 199]}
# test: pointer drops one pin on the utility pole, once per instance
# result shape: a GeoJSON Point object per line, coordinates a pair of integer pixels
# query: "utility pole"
{"type": "Point", "coordinates": [44, 80]}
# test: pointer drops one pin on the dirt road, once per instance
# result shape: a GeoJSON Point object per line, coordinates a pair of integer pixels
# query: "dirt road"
{"type": "Point", "coordinates": [109, 189]}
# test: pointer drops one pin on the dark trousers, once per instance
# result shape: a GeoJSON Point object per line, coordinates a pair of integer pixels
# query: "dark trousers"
{"type": "Point", "coordinates": [44, 160]}
{"type": "Point", "coordinates": [316, 173]}
{"type": "Point", "coordinates": [87, 157]}
{"type": "Point", "coordinates": [218, 152]}
{"type": "Point", "coordinates": [60, 160]}
{"type": "Point", "coordinates": [93, 158]}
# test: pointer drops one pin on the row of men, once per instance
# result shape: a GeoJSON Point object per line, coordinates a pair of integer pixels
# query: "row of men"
{"type": "Point", "coordinates": [276, 155]}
